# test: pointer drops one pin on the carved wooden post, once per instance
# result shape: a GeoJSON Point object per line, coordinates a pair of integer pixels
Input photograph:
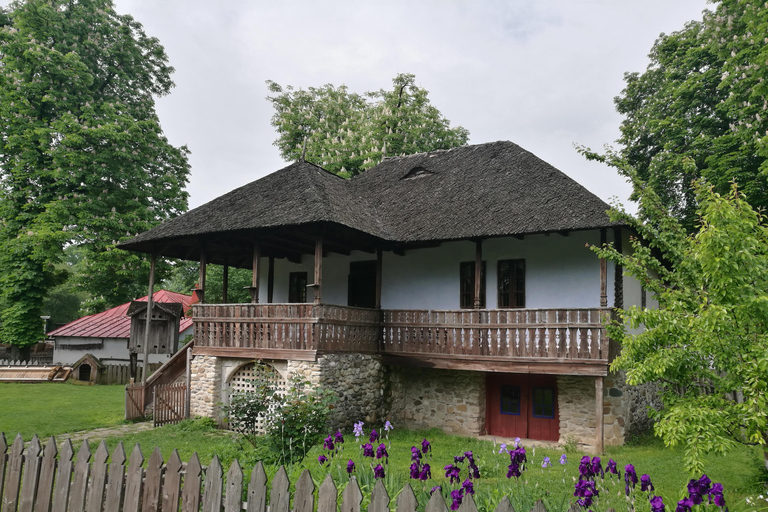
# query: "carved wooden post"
{"type": "Point", "coordinates": [603, 273]}
{"type": "Point", "coordinates": [317, 286]}
{"type": "Point", "coordinates": [254, 288]}
{"type": "Point", "coordinates": [148, 325]}
{"type": "Point", "coordinates": [378, 278]}
{"type": "Point", "coordinates": [599, 426]}
{"type": "Point", "coordinates": [618, 273]}
{"type": "Point", "coordinates": [478, 271]}
{"type": "Point", "coordinates": [271, 279]}
{"type": "Point", "coordinates": [201, 279]}
{"type": "Point", "coordinates": [224, 284]}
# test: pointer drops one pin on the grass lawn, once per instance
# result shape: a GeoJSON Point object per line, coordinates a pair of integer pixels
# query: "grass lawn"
{"type": "Point", "coordinates": [56, 408]}
{"type": "Point", "coordinates": [740, 472]}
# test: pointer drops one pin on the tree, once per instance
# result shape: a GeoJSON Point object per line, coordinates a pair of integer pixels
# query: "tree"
{"type": "Point", "coordinates": [83, 160]}
{"type": "Point", "coordinates": [707, 343]}
{"type": "Point", "coordinates": [347, 133]}
{"type": "Point", "coordinates": [697, 112]}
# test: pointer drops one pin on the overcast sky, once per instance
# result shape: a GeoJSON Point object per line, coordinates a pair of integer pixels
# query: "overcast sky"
{"type": "Point", "coordinates": [542, 73]}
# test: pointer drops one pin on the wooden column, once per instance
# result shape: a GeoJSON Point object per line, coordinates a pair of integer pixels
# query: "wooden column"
{"type": "Point", "coordinates": [256, 276]}
{"type": "Point", "coordinates": [378, 278]}
{"type": "Point", "coordinates": [317, 286]}
{"type": "Point", "coordinates": [618, 273]}
{"type": "Point", "coordinates": [224, 284]}
{"type": "Point", "coordinates": [188, 382]}
{"type": "Point", "coordinates": [478, 271]}
{"type": "Point", "coordinates": [603, 273]}
{"type": "Point", "coordinates": [201, 279]}
{"type": "Point", "coordinates": [148, 325]}
{"type": "Point", "coordinates": [271, 279]}
{"type": "Point", "coordinates": [599, 426]}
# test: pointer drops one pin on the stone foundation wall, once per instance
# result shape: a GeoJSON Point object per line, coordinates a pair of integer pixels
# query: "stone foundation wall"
{"type": "Point", "coordinates": [206, 380]}
{"type": "Point", "coordinates": [625, 409]}
{"type": "Point", "coordinates": [427, 398]}
{"type": "Point", "coordinates": [576, 402]}
{"type": "Point", "coordinates": [359, 381]}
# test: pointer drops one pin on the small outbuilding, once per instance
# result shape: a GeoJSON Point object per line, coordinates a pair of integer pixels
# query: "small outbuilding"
{"type": "Point", "coordinates": [88, 369]}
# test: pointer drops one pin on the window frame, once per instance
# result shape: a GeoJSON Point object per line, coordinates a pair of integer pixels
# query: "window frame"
{"type": "Point", "coordinates": [295, 290]}
{"type": "Point", "coordinates": [514, 297]}
{"type": "Point", "coordinates": [534, 403]}
{"type": "Point", "coordinates": [519, 399]}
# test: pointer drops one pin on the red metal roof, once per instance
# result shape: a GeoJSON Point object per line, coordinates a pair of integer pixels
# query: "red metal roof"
{"type": "Point", "coordinates": [114, 323]}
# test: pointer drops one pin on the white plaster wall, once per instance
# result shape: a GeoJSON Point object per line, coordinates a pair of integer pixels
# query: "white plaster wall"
{"type": "Point", "coordinates": [113, 351]}
{"type": "Point", "coordinates": [560, 272]}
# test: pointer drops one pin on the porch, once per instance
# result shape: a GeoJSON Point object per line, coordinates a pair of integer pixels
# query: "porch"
{"type": "Point", "coordinates": [566, 341]}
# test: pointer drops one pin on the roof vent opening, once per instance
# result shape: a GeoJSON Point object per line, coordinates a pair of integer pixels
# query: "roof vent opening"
{"type": "Point", "coordinates": [417, 172]}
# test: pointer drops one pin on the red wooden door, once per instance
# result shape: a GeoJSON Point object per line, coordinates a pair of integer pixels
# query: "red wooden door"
{"type": "Point", "coordinates": [522, 405]}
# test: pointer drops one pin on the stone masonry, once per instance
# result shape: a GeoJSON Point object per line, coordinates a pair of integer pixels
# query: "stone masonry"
{"type": "Point", "coordinates": [427, 398]}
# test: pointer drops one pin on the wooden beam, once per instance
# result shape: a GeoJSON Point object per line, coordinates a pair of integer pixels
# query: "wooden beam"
{"type": "Point", "coordinates": [519, 237]}
{"type": "Point", "coordinates": [271, 279]}
{"type": "Point", "coordinates": [317, 286]}
{"type": "Point", "coordinates": [148, 325]}
{"type": "Point", "coordinates": [379, 259]}
{"type": "Point", "coordinates": [603, 273]}
{"type": "Point", "coordinates": [256, 353]}
{"type": "Point", "coordinates": [478, 271]}
{"type": "Point", "coordinates": [224, 284]}
{"type": "Point", "coordinates": [554, 366]}
{"type": "Point", "coordinates": [599, 425]}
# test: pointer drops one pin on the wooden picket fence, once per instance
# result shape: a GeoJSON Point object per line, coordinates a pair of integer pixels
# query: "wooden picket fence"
{"type": "Point", "coordinates": [44, 480]}
{"type": "Point", "coordinates": [169, 404]}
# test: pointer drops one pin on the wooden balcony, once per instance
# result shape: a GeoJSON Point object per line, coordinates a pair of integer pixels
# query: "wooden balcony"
{"type": "Point", "coordinates": [556, 341]}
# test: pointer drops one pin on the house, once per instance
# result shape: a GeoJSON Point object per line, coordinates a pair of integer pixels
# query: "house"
{"type": "Point", "coordinates": [447, 289]}
{"type": "Point", "coordinates": [106, 335]}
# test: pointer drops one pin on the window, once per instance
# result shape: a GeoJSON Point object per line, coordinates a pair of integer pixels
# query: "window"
{"type": "Point", "coordinates": [510, 400]}
{"type": "Point", "coordinates": [297, 287]}
{"type": "Point", "coordinates": [543, 403]}
{"type": "Point", "coordinates": [467, 273]}
{"type": "Point", "coordinates": [511, 283]}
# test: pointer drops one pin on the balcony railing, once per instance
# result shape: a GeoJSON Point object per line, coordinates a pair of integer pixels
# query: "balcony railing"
{"type": "Point", "coordinates": [554, 335]}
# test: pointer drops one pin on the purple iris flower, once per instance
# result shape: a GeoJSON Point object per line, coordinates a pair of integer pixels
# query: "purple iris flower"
{"type": "Point", "coordinates": [697, 489]}
{"type": "Point", "coordinates": [513, 470]}
{"type": "Point", "coordinates": [388, 426]}
{"type": "Point", "coordinates": [585, 468]}
{"type": "Point", "coordinates": [518, 455]}
{"type": "Point", "coordinates": [546, 462]}
{"type": "Point", "coordinates": [456, 497]}
{"type": "Point", "coordinates": [586, 491]}
{"type": "Point", "coordinates": [322, 460]}
{"type": "Point", "coordinates": [630, 477]}
{"type": "Point", "coordinates": [381, 451]}
{"type": "Point", "coordinates": [716, 494]}
{"type": "Point", "coordinates": [415, 470]}
{"type": "Point", "coordinates": [358, 429]}
{"type": "Point", "coordinates": [563, 460]}
{"type": "Point", "coordinates": [457, 459]}
{"type": "Point", "coordinates": [657, 504]}
{"type": "Point", "coordinates": [373, 437]}
{"type": "Point", "coordinates": [350, 466]}
{"type": "Point", "coordinates": [470, 457]}
{"type": "Point", "coordinates": [645, 483]}
{"type": "Point", "coordinates": [378, 471]}
{"type": "Point", "coordinates": [468, 486]}
{"type": "Point", "coordinates": [338, 437]}
{"type": "Point", "coordinates": [517, 442]}
{"type": "Point", "coordinates": [426, 472]}
{"type": "Point", "coordinates": [415, 454]}
{"type": "Point", "coordinates": [328, 443]}
{"type": "Point", "coordinates": [474, 471]}
{"type": "Point", "coordinates": [503, 448]}
{"type": "Point", "coordinates": [597, 467]}
{"type": "Point", "coordinates": [452, 472]}
{"type": "Point", "coordinates": [435, 488]}
{"type": "Point", "coordinates": [368, 450]}
{"type": "Point", "coordinates": [684, 505]}
{"type": "Point", "coordinates": [425, 447]}
{"type": "Point", "coordinates": [611, 467]}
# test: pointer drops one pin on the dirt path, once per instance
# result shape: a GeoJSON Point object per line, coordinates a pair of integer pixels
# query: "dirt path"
{"type": "Point", "coordinates": [97, 434]}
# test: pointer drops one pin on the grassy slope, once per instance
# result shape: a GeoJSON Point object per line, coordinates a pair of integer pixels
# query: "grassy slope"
{"type": "Point", "coordinates": [56, 408]}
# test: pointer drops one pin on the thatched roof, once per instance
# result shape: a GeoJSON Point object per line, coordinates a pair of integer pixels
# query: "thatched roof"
{"type": "Point", "coordinates": [486, 190]}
